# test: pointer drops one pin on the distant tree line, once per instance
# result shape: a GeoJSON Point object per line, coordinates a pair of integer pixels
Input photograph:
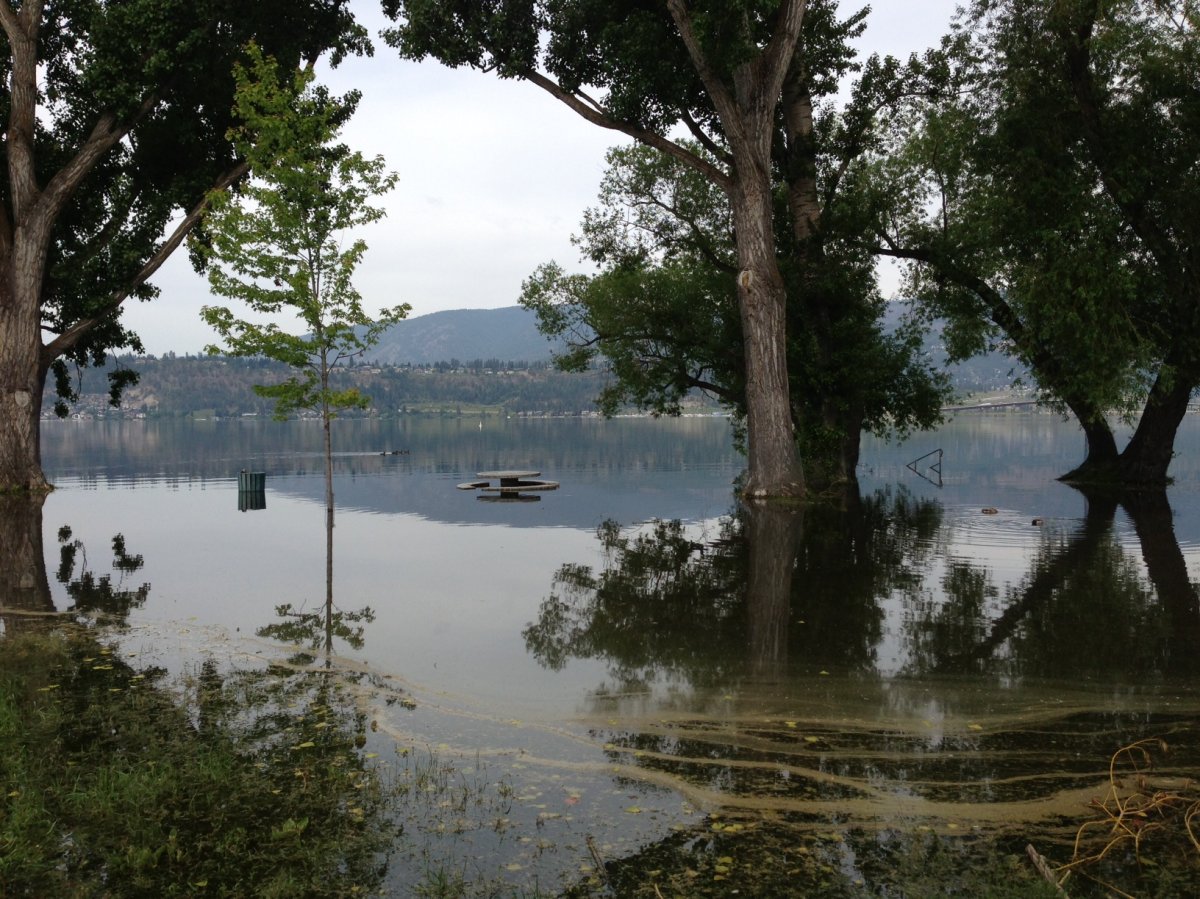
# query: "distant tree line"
{"type": "Point", "coordinates": [173, 386]}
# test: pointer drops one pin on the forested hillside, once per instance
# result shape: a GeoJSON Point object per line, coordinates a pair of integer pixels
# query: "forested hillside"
{"type": "Point", "coordinates": [458, 378]}
{"type": "Point", "coordinates": [188, 385]}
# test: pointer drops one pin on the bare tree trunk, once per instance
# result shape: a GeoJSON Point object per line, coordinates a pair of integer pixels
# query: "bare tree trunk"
{"type": "Point", "coordinates": [1100, 464]}
{"type": "Point", "coordinates": [27, 219]}
{"type": "Point", "coordinates": [328, 444]}
{"type": "Point", "coordinates": [745, 100]}
{"type": "Point", "coordinates": [1146, 459]}
{"type": "Point", "coordinates": [327, 434]}
{"type": "Point", "coordinates": [24, 587]}
{"type": "Point", "coordinates": [804, 202]}
{"type": "Point", "coordinates": [22, 378]}
{"type": "Point", "coordinates": [774, 465]}
{"type": "Point", "coordinates": [826, 465]}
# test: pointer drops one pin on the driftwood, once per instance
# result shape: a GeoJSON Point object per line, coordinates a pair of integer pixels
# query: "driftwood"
{"type": "Point", "coordinates": [1043, 868]}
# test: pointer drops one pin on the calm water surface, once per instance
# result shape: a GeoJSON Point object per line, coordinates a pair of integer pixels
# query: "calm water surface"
{"type": "Point", "coordinates": [635, 640]}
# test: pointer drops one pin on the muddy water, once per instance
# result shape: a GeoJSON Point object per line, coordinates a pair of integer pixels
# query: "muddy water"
{"type": "Point", "coordinates": [640, 664]}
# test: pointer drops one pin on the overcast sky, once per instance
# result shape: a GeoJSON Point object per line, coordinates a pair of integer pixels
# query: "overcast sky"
{"type": "Point", "coordinates": [494, 177]}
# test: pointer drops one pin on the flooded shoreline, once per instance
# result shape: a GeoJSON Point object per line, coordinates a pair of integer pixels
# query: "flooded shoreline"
{"type": "Point", "coordinates": [599, 699]}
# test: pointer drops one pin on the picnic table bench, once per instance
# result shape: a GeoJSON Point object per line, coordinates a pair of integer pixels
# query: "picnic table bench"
{"type": "Point", "coordinates": [508, 482]}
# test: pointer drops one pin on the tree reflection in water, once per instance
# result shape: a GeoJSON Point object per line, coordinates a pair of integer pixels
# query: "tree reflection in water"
{"type": "Point", "coordinates": [748, 671]}
{"type": "Point", "coordinates": [781, 593]}
{"type": "Point", "coordinates": [99, 595]}
{"type": "Point", "coordinates": [25, 597]}
{"type": "Point", "coordinates": [777, 590]}
{"type": "Point", "coordinates": [316, 629]}
{"type": "Point", "coordinates": [1088, 608]}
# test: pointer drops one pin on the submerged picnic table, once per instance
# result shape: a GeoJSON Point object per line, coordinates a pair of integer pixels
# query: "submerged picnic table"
{"type": "Point", "coordinates": [510, 482]}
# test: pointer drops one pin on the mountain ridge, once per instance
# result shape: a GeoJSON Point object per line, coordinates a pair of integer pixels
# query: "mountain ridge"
{"type": "Point", "coordinates": [507, 334]}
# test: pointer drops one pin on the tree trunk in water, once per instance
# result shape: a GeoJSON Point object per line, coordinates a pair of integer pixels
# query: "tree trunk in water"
{"type": "Point", "coordinates": [22, 378]}
{"type": "Point", "coordinates": [851, 448]}
{"type": "Point", "coordinates": [24, 587]}
{"type": "Point", "coordinates": [1100, 464]}
{"type": "Point", "coordinates": [326, 421]}
{"type": "Point", "coordinates": [772, 535]}
{"type": "Point", "coordinates": [830, 426]}
{"type": "Point", "coordinates": [745, 98]}
{"type": "Point", "coordinates": [1101, 444]}
{"type": "Point", "coordinates": [774, 465]}
{"type": "Point", "coordinates": [1145, 461]}
{"type": "Point", "coordinates": [828, 464]}
{"type": "Point", "coordinates": [837, 469]}
{"type": "Point", "coordinates": [1155, 527]}
{"type": "Point", "coordinates": [328, 468]}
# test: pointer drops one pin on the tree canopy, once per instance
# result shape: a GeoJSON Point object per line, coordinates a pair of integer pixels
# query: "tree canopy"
{"type": "Point", "coordinates": [663, 316]}
{"type": "Point", "coordinates": [284, 242]}
{"type": "Point", "coordinates": [115, 120]}
{"type": "Point", "coordinates": [1046, 195]}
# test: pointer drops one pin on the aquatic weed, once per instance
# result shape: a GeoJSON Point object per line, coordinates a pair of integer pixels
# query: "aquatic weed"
{"type": "Point", "coordinates": [1136, 814]}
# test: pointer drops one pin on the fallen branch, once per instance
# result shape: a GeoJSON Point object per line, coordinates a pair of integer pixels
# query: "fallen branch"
{"type": "Point", "coordinates": [1043, 868]}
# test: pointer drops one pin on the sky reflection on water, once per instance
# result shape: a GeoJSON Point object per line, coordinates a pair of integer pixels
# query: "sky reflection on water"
{"type": "Point", "coordinates": [454, 580]}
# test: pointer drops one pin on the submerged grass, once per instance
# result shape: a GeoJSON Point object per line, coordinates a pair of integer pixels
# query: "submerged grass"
{"type": "Point", "coordinates": [126, 783]}
{"type": "Point", "coordinates": [112, 787]}
{"type": "Point", "coordinates": [779, 858]}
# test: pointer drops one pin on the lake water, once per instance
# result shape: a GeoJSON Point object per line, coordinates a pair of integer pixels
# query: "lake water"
{"type": "Point", "coordinates": [641, 659]}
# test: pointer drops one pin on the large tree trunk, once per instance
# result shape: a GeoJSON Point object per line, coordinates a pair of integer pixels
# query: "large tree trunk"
{"type": "Point", "coordinates": [1101, 444]}
{"type": "Point", "coordinates": [24, 588]}
{"type": "Point", "coordinates": [22, 378]}
{"type": "Point", "coordinates": [1100, 463]}
{"type": "Point", "coordinates": [851, 427]}
{"type": "Point", "coordinates": [774, 465]}
{"type": "Point", "coordinates": [800, 164]}
{"type": "Point", "coordinates": [745, 99]}
{"type": "Point", "coordinates": [27, 219]}
{"type": "Point", "coordinates": [1146, 459]}
{"type": "Point", "coordinates": [829, 463]}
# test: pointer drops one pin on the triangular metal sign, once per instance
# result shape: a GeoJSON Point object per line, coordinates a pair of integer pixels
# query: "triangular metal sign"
{"type": "Point", "coordinates": [930, 471]}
